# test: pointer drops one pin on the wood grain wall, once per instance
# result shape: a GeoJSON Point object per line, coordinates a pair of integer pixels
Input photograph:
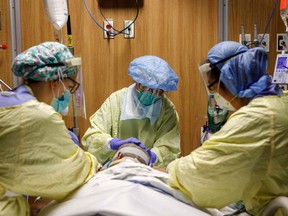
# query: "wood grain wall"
{"type": "Point", "coordinates": [250, 12]}
{"type": "Point", "coordinates": [5, 55]}
{"type": "Point", "coordinates": [179, 31]}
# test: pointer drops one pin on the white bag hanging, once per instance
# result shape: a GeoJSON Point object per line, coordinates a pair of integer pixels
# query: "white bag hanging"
{"type": "Point", "coordinates": [57, 12]}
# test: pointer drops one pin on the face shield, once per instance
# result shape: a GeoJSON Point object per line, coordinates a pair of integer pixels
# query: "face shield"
{"type": "Point", "coordinates": [211, 85]}
{"type": "Point", "coordinates": [77, 90]}
{"type": "Point", "coordinates": [217, 113]}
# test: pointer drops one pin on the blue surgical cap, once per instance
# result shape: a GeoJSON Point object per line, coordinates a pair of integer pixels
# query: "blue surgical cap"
{"type": "Point", "coordinates": [245, 73]}
{"type": "Point", "coordinates": [153, 72]}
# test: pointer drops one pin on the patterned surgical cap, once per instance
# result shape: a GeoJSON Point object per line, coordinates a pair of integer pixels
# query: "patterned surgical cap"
{"type": "Point", "coordinates": [38, 62]}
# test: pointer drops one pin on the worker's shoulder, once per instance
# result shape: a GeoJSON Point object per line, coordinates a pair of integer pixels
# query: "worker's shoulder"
{"type": "Point", "coordinates": [39, 111]}
{"type": "Point", "coordinates": [119, 93]}
{"type": "Point", "coordinates": [270, 102]}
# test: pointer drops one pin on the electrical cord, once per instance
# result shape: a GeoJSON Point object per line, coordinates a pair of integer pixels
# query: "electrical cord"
{"type": "Point", "coordinates": [124, 29]}
{"type": "Point", "coordinates": [117, 31]}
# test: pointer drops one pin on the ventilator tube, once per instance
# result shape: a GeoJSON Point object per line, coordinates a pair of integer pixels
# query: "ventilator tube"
{"type": "Point", "coordinates": [57, 12]}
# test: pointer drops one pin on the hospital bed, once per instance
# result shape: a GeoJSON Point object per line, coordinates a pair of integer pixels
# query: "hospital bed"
{"type": "Point", "coordinates": [126, 189]}
{"type": "Point", "coordinates": [131, 189]}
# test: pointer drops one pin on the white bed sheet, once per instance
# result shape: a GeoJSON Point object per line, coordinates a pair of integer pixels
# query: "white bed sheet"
{"type": "Point", "coordinates": [127, 189]}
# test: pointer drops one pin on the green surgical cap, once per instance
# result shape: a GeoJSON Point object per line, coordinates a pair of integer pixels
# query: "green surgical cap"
{"type": "Point", "coordinates": [36, 63]}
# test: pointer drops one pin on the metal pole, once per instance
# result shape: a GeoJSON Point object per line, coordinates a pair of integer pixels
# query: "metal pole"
{"type": "Point", "coordinates": [222, 20]}
{"type": "Point", "coordinates": [15, 29]}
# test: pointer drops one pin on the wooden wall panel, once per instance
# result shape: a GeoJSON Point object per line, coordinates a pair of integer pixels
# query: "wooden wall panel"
{"type": "Point", "coordinates": [250, 12]}
{"type": "Point", "coordinates": [179, 31]}
{"type": "Point", "coordinates": [5, 55]}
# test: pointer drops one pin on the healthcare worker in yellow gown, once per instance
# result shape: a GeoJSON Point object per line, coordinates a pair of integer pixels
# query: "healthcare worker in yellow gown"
{"type": "Point", "coordinates": [38, 155]}
{"type": "Point", "coordinates": [247, 159]}
{"type": "Point", "coordinates": [139, 114]}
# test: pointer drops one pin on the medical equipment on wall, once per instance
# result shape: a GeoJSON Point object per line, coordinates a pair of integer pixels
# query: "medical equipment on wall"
{"type": "Point", "coordinates": [111, 31]}
{"type": "Point", "coordinates": [256, 41]}
{"type": "Point", "coordinates": [280, 75]}
{"type": "Point", "coordinates": [3, 46]}
{"type": "Point", "coordinates": [248, 42]}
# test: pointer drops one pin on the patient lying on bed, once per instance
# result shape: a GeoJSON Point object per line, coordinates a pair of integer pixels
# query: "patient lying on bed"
{"type": "Point", "coordinates": [127, 187]}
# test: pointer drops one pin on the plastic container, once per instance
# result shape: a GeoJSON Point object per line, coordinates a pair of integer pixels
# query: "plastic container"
{"type": "Point", "coordinates": [57, 12]}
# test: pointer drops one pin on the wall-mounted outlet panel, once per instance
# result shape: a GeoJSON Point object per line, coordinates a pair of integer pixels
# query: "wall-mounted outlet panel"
{"type": "Point", "coordinates": [282, 42]}
{"type": "Point", "coordinates": [130, 31]}
{"type": "Point", "coordinates": [265, 42]}
{"type": "Point", "coordinates": [247, 38]}
{"type": "Point", "coordinates": [108, 25]}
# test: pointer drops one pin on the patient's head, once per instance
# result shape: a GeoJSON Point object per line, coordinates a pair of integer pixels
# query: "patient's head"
{"type": "Point", "coordinates": [131, 151]}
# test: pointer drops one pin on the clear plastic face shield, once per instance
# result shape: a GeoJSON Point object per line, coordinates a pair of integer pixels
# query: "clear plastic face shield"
{"type": "Point", "coordinates": [212, 89]}
{"type": "Point", "coordinates": [76, 90]}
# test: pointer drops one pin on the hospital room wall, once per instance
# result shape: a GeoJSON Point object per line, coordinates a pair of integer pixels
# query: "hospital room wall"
{"type": "Point", "coordinates": [179, 31]}
{"type": "Point", "coordinates": [257, 12]}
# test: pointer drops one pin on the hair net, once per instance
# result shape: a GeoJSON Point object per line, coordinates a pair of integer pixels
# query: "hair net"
{"type": "Point", "coordinates": [153, 72]}
{"type": "Point", "coordinates": [224, 50]}
{"type": "Point", "coordinates": [32, 63]}
{"type": "Point", "coordinates": [243, 74]}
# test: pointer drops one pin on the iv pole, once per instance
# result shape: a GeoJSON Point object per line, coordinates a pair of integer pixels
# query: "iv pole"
{"type": "Point", "coordinates": [75, 128]}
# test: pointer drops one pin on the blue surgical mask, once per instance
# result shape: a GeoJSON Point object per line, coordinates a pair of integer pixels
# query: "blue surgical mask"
{"type": "Point", "coordinates": [61, 103]}
{"type": "Point", "coordinates": [147, 98]}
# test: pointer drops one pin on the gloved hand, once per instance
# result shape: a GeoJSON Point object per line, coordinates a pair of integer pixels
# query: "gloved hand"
{"type": "Point", "coordinates": [74, 137]}
{"type": "Point", "coordinates": [115, 144]}
{"type": "Point", "coordinates": [153, 156]}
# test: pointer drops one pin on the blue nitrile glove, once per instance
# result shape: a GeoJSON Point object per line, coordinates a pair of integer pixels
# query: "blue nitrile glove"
{"type": "Point", "coordinates": [115, 144]}
{"type": "Point", "coordinates": [74, 138]}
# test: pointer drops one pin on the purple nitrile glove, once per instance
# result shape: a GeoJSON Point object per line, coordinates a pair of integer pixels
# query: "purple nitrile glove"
{"type": "Point", "coordinates": [153, 156]}
{"type": "Point", "coordinates": [115, 143]}
{"type": "Point", "coordinates": [74, 137]}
